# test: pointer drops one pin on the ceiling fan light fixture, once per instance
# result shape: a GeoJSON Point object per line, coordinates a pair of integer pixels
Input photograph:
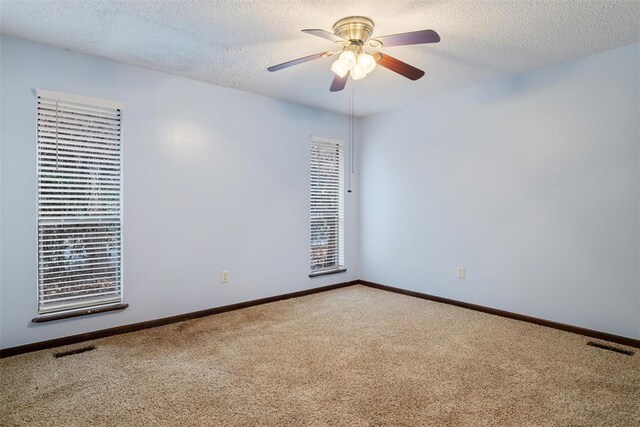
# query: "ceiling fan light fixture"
{"type": "Point", "coordinates": [354, 34]}
{"type": "Point", "coordinates": [367, 62]}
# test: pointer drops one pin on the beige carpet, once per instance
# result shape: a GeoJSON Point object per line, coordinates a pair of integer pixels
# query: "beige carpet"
{"type": "Point", "coordinates": [354, 356]}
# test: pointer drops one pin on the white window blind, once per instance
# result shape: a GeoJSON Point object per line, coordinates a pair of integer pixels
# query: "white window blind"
{"type": "Point", "coordinates": [327, 210]}
{"type": "Point", "coordinates": [79, 202]}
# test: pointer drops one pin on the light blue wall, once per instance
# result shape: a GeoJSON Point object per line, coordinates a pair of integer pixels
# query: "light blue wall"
{"type": "Point", "coordinates": [214, 179]}
{"type": "Point", "coordinates": [532, 183]}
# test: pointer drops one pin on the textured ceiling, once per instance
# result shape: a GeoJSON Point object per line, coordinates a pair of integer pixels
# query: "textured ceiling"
{"type": "Point", "coordinates": [232, 42]}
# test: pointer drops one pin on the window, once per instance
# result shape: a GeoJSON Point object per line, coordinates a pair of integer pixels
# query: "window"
{"type": "Point", "coordinates": [327, 207]}
{"type": "Point", "coordinates": [79, 203]}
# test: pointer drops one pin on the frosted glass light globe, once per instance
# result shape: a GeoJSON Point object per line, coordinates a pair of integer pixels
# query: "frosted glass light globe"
{"type": "Point", "coordinates": [348, 58]}
{"type": "Point", "coordinates": [340, 68]}
{"type": "Point", "coordinates": [358, 72]}
{"type": "Point", "coordinates": [367, 62]}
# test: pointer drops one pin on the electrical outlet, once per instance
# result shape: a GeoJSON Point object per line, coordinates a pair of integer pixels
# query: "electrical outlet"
{"type": "Point", "coordinates": [460, 272]}
{"type": "Point", "coordinates": [224, 277]}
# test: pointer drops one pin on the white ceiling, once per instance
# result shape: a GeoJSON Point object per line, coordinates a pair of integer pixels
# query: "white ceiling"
{"type": "Point", "coordinates": [232, 42]}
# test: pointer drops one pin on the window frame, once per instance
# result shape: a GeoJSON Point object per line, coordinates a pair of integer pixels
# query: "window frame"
{"type": "Point", "coordinates": [340, 268]}
{"type": "Point", "coordinates": [45, 316]}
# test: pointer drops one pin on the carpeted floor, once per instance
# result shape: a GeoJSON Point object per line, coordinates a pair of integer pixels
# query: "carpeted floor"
{"type": "Point", "coordinates": [353, 356]}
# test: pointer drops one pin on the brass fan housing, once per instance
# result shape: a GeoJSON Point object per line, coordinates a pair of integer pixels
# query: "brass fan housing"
{"type": "Point", "coordinates": [354, 28]}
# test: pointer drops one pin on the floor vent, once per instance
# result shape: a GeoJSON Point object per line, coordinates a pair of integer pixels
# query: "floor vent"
{"type": "Point", "coordinates": [75, 351]}
{"type": "Point", "coordinates": [608, 347]}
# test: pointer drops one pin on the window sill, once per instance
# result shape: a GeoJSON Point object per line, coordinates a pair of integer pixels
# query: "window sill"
{"type": "Point", "coordinates": [75, 313]}
{"type": "Point", "coordinates": [327, 272]}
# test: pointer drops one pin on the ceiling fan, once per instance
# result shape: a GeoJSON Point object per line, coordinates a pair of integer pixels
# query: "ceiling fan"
{"type": "Point", "coordinates": [356, 57]}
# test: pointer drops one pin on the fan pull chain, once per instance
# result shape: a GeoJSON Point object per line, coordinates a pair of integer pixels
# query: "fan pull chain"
{"type": "Point", "coordinates": [352, 160]}
{"type": "Point", "coordinates": [350, 136]}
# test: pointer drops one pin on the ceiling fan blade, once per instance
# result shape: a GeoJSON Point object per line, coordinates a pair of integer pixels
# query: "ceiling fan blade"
{"type": "Point", "coordinates": [398, 66]}
{"type": "Point", "coordinates": [338, 83]}
{"type": "Point", "coordinates": [325, 35]}
{"type": "Point", "coordinates": [414, 37]}
{"type": "Point", "coordinates": [299, 61]}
